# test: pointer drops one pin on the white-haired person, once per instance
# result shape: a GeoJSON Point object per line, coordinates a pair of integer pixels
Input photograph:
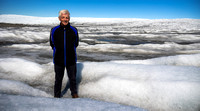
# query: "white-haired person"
{"type": "Point", "coordinates": [64, 40]}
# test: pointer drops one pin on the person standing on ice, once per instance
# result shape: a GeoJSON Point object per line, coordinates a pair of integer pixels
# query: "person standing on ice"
{"type": "Point", "coordinates": [64, 40]}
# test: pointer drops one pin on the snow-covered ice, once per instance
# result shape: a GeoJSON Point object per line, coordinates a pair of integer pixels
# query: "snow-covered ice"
{"type": "Point", "coordinates": [124, 64]}
{"type": "Point", "coordinates": [153, 87]}
{"type": "Point", "coordinates": [19, 88]}
{"type": "Point", "coordinates": [24, 103]}
{"type": "Point", "coordinates": [179, 60]}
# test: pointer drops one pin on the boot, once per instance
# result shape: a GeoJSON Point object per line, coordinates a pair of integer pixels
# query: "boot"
{"type": "Point", "coordinates": [75, 96]}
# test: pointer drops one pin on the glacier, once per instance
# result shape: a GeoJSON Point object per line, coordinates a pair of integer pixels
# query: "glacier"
{"type": "Point", "coordinates": [123, 64]}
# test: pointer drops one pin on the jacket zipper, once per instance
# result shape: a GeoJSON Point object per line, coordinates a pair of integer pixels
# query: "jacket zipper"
{"type": "Point", "coordinates": [65, 53]}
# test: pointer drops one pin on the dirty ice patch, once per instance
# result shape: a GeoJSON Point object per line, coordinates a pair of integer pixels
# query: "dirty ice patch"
{"type": "Point", "coordinates": [19, 88]}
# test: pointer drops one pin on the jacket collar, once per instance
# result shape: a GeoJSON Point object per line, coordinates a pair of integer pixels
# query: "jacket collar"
{"type": "Point", "coordinates": [65, 26]}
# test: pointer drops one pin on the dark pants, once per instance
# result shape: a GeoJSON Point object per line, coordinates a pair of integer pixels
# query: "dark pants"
{"type": "Point", "coordinates": [59, 73]}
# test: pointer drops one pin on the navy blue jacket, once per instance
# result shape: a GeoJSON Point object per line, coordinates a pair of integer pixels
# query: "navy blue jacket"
{"type": "Point", "coordinates": [64, 41]}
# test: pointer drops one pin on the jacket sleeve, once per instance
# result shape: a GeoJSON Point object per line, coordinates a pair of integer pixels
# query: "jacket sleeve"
{"type": "Point", "coordinates": [50, 40]}
{"type": "Point", "coordinates": [77, 39]}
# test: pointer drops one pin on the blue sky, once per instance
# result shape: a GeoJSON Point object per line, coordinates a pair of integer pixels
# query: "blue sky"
{"type": "Point", "coordinates": [149, 9]}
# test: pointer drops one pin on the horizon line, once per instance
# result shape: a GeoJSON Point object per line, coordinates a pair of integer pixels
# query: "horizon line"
{"type": "Point", "coordinates": [100, 17]}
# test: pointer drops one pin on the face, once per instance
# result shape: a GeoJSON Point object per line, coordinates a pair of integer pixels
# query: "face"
{"type": "Point", "coordinates": [64, 19]}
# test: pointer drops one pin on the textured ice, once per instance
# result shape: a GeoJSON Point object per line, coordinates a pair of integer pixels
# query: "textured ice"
{"type": "Point", "coordinates": [19, 88]}
{"type": "Point", "coordinates": [180, 60]}
{"type": "Point", "coordinates": [153, 87]}
{"type": "Point", "coordinates": [20, 68]}
{"type": "Point", "coordinates": [24, 103]}
{"type": "Point", "coordinates": [151, 64]}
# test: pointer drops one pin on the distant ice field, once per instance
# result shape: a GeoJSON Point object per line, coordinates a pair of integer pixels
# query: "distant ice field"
{"type": "Point", "coordinates": [103, 39]}
{"type": "Point", "coordinates": [146, 64]}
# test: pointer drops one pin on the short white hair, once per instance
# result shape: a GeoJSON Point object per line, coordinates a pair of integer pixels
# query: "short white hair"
{"type": "Point", "coordinates": [64, 12]}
